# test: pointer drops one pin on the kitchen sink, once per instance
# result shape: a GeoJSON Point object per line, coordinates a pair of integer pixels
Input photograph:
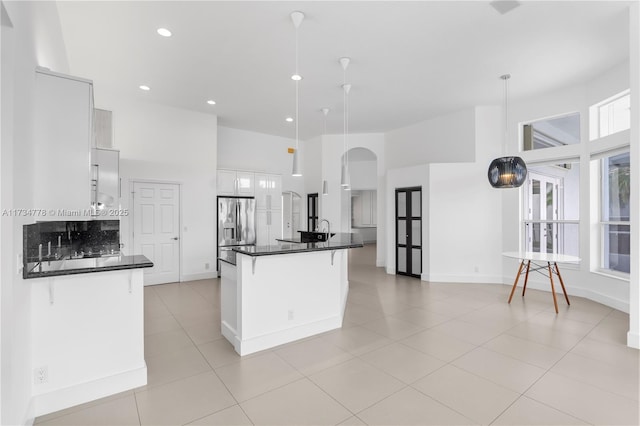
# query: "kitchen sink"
{"type": "Point", "coordinates": [314, 237]}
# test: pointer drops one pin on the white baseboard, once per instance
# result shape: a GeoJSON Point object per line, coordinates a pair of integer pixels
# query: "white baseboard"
{"type": "Point", "coordinates": [199, 276]}
{"type": "Point", "coordinates": [280, 337]}
{"type": "Point", "coordinates": [60, 399]}
{"type": "Point", "coordinates": [633, 340]}
{"type": "Point", "coordinates": [472, 279]}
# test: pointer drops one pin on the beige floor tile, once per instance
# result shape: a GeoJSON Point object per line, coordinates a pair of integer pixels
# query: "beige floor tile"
{"type": "Point", "coordinates": [81, 407]}
{"type": "Point", "coordinates": [359, 314]}
{"type": "Point", "coordinates": [312, 355]}
{"type": "Point", "coordinates": [159, 324]}
{"type": "Point", "coordinates": [501, 369]}
{"type": "Point", "coordinates": [421, 317]}
{"type": "Point", "coordinates": [356, 384]}
{"type": "Point", "coordinates": [356, 340]}
{"type": "Point", "coordinates": [611, 353]}
{"type": "Point", "coordinates": [393, 328]}
{"type": "Point", "coordinates": [446, 307]}
{"type": "Point", "coordinates": [583, 401]}
{"type": "Point", "coordinates": [441, 346]}
{"type": "Point", "coordinates": [219, 352]}
{"type": "Point", "coordinates": [612, 378]}
{"type": "Point", "coordinates": [298, 403]}
{"type": "Point", "coordinates": [403, 362]}
{"type": "Point", "coordinates": [166, 342]}
{"type": "Point", "coordinates": [352, 421]}
{"type": "Point", "coordinates": [527, 412]}
{"type": "Point", "coordinates": [474, 397]}
{"type": "Point", "coordinates": [183, 401]}
{"type": "Point", "coordinates": [582, 310]}
{"type": "Point", "coordinates": [232, 416]}
{"type": "Point", "coordinates": [204, 332]}
{"type": "Point", "coordinates": [524, 350]}
{"type": "Point", "coordinates": [540, 334]}
{"type": "Point", "coordinates": [191, 317]}
{"type": "Point", "coordinates": [611, 330]}
{"type": "Point", "coordinates": [162, 369]}
{"type": "Point", "coordinates": [475, 334]}
{"type": "Point", "coordinates": [561, 322]}
{"type": "Point", "coordinates": [256, 375]}
{"type": "Point", "coordinates": [120, 411]}
{"type": "Point", "coordinates": [410, 407]}
{"type": "Point", "coordinates": [155, 308]}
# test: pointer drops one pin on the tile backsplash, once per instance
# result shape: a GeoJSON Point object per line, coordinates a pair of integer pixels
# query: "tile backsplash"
{"type": "Point", "coordinates": [61, 239]}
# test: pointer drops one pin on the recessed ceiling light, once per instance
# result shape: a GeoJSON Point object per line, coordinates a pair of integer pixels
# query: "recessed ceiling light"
{"type": "Point", "coordinates": [296, 77]}
{"type": "Point", "coordinates": [164, 32]}
{"type": "Point", "coordinates": [145, 88]}
{"type": "Point", "coordinates": [211, 102]}
{"type": "Point", "coordinates": [289, 119]}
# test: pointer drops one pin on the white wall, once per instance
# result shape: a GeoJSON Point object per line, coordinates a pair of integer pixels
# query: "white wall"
{"type": "Point", "coordinates": [162, 143]}
{"type": "Point", "coordinates": [445, 139]}
{"type": "Point", "coordinates": [31, 37]}
{"type": "Point", "coordinates": [245, 150]}
{"type": "Point", "coordinates": [364, 174]}
{"type": "Point", "coordinates": [462, 214]}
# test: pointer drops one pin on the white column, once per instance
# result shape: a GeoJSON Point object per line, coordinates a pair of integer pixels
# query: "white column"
{"type": "Point", "coordinates": [633, 336]}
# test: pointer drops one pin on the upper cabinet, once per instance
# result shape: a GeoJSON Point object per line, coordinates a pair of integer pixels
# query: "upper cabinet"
{"type": "Point", "coordinates": [268, 192]}
{"type": "Point", "coordinates": [64, 136]}
{"type": "Point", "coordinates": [236, 183]}
{"type": "Point", "coordinates": [364, 208]}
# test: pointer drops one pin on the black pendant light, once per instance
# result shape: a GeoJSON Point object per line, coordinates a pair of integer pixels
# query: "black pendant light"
{"type": "Point", "coordinates": [507, 172]}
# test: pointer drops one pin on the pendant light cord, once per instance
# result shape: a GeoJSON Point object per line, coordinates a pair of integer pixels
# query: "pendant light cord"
{"type": "Point", "coordinates": [297, 92]}
{"type": "Point", "coordinates": [506, 111]}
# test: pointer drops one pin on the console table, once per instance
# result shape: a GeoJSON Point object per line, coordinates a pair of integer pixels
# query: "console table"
{"type": "Point", "coordinates": [547, 261]}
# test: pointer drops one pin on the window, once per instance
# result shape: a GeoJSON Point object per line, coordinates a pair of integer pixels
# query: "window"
{"type": "Point", "coordinates": [551, 209]}
{"type": "Point", "coordinates": [615, 229]}
{"type": "Point", "coordinates": [551, 132]}
{"type": "Point", "coordinates": [610, 116]}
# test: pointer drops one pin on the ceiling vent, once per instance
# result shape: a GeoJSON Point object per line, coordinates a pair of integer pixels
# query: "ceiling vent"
{"type": "Point", "coordinates": [504, 6]}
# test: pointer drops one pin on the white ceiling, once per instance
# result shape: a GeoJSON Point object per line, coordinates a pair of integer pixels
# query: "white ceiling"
{"type": "Point", "coordinates": [410, 60]}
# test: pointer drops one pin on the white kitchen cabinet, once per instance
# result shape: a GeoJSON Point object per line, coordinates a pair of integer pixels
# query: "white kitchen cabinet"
{"type": "Point", "coordinates": [268, 192]}
{"type": "Point", "coordinates": [236, 182]}
{"type": "Point", "coordinates": [364, 205]}
{"type": "Point", "coordinates": [268, 226]}
{"type": "Point", "coordinates": [64, 135]}
{"type": "Point", "coordinates": [107, 162]}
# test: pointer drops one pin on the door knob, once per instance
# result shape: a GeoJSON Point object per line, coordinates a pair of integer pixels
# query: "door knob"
{"type": "Point", "coordinates": [175, 238]}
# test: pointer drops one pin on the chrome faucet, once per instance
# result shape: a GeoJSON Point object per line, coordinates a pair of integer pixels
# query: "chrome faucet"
{"type": "Point", "coordinates": [328, 227]}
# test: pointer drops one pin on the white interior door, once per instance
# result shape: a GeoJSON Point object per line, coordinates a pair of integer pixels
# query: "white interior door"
{"type": "Point", "coordinates": [156, 216]}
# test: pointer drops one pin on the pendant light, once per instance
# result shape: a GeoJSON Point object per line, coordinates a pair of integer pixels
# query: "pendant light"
{"type": "Point", "coordinates": [507, 172]}
{"type": "Point", "coordinates": [344, 175]}
{"type": "Point", "coordinates": [325, 185]}
{"type": "Point", "coordinates": [297, 18]}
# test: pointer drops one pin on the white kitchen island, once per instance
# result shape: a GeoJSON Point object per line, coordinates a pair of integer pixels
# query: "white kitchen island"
{"type": "Point", "coordinates": [276, 294]}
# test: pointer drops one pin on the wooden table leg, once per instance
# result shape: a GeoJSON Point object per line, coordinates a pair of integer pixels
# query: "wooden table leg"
{"type": "Point", "coordinates": [553, 290]}
{"type": "Point", "coordinates": [526, 278]}
{"type": "Point", "coordinates": [515, 283]}
{"type": "Point", "coordinates": [562, 284]}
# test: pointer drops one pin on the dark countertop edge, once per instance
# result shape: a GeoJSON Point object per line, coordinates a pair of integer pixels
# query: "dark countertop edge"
{"type": "Point", "coordinates": [143, 264]}
{"type": "Point", "coordinates": [301, 250]}
{"type": "Point", "coordinates": [226, 261]}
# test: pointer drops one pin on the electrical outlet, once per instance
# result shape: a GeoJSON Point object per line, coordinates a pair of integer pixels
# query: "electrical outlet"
{"type": "Point", "coordinates": [290, 314]}
{"type": "Point", "coordinates": [206, 266]}
{"type": "Point", "coordinates": [41, 375]}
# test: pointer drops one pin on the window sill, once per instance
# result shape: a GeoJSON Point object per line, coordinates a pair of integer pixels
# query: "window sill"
{"type": "Point", "coordinates": [609, 274]}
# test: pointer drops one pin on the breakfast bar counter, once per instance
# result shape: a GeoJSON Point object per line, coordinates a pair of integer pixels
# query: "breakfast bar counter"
{"type": "Point", "coordinates": [271, 295]}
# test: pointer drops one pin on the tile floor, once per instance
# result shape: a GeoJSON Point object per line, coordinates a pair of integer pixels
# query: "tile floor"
{"type": "Point", "coordinates": [409, 352]}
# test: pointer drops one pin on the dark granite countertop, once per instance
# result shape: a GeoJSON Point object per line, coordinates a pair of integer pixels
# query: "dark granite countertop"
{"type": "Point", "coordinates": [84, 265]}
{"type": "Point", "coordinates": [339, 241]}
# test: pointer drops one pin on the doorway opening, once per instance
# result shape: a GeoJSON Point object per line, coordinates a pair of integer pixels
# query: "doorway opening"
{"type": "Point", "coordinates": [290, 213]}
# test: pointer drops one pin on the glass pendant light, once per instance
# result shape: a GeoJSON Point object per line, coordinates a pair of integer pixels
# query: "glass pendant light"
{"type": "Point", "coordinates": [507, 172]}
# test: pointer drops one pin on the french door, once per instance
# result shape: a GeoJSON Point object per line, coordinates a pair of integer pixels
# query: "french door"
{"type": "Point", "coordinates": [312, 211]}
{"type": "Point", "coordinates": [409, 231]}
{"type": "Point", "coordinates": [543, 205]}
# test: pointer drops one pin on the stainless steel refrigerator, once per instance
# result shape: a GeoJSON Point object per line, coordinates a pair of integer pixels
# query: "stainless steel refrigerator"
{"type": "Point", "coordinates": [236, 223]}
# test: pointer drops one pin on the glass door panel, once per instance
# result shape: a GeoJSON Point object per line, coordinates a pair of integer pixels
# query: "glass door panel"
{"type": "Point", "coordinates": [409, 231]}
